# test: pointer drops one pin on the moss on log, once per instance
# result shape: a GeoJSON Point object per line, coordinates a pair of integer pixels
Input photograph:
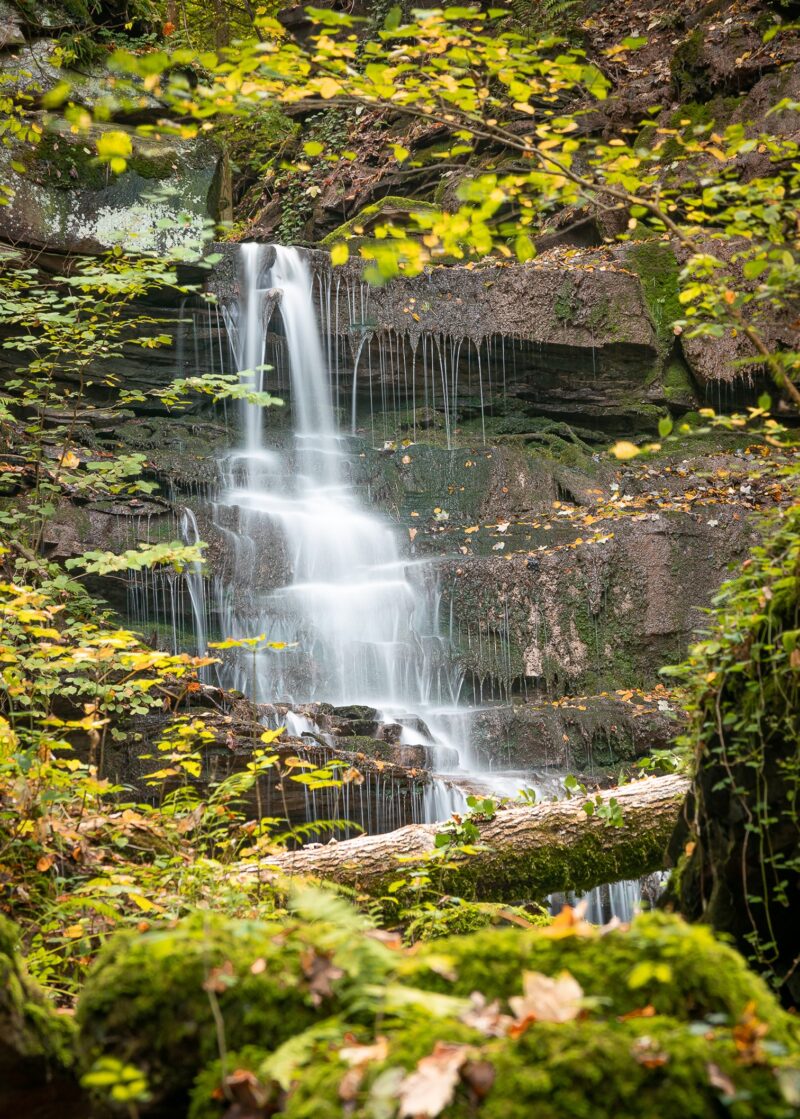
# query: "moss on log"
{"type": "Point", "coordinates": [522, 852]}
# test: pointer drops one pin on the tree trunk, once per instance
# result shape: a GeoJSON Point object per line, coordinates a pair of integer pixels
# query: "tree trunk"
{"type": "Point", "coordinates": [523, 853]}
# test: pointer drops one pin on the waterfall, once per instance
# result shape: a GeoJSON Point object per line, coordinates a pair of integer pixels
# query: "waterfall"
{"type": "Point", "coordinates": [315, 568]}
{"type": "Point", "coordinates": [357, 627]}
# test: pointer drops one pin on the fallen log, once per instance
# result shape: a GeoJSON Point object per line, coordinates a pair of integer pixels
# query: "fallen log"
{"type": "Point", "coordinates": [522, 852]}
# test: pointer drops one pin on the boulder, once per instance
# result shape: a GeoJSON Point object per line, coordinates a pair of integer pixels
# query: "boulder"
{"type": "Point", "coordinates": [156, 999]}
{"type": "Point", "coordinates": [11, 34]}
{"type": "Point", "coordinates": [68, 202]}
{"type": "Point", "coordinates": [658, 1021]}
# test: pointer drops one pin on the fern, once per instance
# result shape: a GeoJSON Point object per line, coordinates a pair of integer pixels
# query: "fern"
{"type": "Point", "coordinates": [548, 16]}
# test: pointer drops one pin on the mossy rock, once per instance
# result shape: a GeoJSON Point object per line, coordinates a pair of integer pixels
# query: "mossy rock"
{"type": "Point", "coordinates": [148, 999]}
{"type": "Point", "coordinates": [679, 389]}
{"type": "Point", "coordinates": [359, 228]}
{"type": "Point", "coordinates": [680, 970]}
{"type": "Point", "coordinates": [596, 1067]}
{"type": "Point", "coordinates": [30, 1028]}
{"type": "Point", "coordinates": [657, 268]}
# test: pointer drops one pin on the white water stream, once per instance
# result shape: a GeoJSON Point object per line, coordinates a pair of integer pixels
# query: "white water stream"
{"type": "Point", "coordinates": [358, 619]}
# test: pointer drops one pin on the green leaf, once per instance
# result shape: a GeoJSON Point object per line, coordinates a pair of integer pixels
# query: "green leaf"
{"type": "Point", "coordinates": [524, 248]}
{"type": "Point", "coordinates": [664, 426]}
{"type": "Point", "coordinates": [754, 268]}
{"type": "Point", "coordinates": [313, 147]}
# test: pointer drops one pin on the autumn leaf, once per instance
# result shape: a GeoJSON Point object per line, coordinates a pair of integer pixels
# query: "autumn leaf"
{"type": "Point", "coordinates": [546, 1000]}
{"type": "Point", "coordinates": [430, 1088]}
{"type": "Point", "coordinates": [321, 973]}
{"type": "Point", "coordinates": [486, 1016]}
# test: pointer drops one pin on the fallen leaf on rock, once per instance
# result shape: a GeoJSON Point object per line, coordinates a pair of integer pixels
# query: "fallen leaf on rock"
{"type": "Point", "coordinates": [247, 1092]}
{"type": "Point", "coordinates": [486, 1016]}
{"type": "Point", "coordinates": [546, 1000]}
{"type": "Point", "coordinates": [352, 776]}
{"type": "Point", "coordinates": [362, 1054]}
{"type": "Point", "coordinates": [570, 922]}
{"type": "Point", "coordinates": [479, 1075]}
{"type": "Point", "coordinates": [720, 1080]}
{"type": "Point", "coordinates": [748, 1034]}
{"type": "Point", "coordinates": [642, 1012]}
{"type": "Point", "coordinates": [219, 979]}
{"type": "Point", "coordinates": [429, 1089]}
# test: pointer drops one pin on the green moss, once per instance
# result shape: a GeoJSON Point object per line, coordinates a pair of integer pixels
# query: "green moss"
{"type": "Point", "coordinates": [655, 264]}
{"type": "Point", "coordinates": [30, 1029]}
{"type": "Point", "coordinates": [678, 386]}
{"type": "Point", "coordinates": [566, 303]}
{"type": "Point", "coordinates": [703, 977]}
{"type": "Point", "coordinates": [599, 314]}
{"type": "Point", "coordinates": [208, 1099]}
{"type": "Point", "coordinates": [685, 68]}
{"type": "Point", "coordinates": [60, 162]}
{"type": "Point", "coordinates": [462, 917]}
{"type": "Point", "coordinates": [358, 228]}
{"type": "Point", "coordinates": [146, 999]}
{"type": "Point", "coordinates": [153, 166]}
{"type": "Point", "coordinates": [593, 1068]}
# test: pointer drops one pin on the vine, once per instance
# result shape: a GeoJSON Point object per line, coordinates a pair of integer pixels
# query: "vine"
{"type": "Point", "coordinates": [741, 866]}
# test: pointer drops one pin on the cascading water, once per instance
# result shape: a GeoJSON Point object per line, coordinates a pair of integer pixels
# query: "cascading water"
{"type": "Point", "coordinates": [356, 626]}
{"type": "Point", "coordinates": [357, 619]}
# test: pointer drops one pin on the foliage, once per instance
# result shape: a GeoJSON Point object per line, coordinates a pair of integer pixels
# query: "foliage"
{"type": "Point", "coordinates": [487, 84]}
{"type": "Point", "coordinates": [236, 982]}
{"type": "Point", "coordinates": [743, 847]}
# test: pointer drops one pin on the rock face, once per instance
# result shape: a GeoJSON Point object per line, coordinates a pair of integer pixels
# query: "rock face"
{"type": "Point", "coordinates": [594, 617]}
{"type": "Point", "coordinates": [66, 201]}
{"type": "Point", "coordinates": [556, 338]}
{"type": "Point", "coordinates": [590, 736]}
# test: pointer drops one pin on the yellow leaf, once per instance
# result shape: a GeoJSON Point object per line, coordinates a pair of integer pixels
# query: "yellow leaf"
{"type": "Point", "coordinates": [327, 88]}
{"type": "Point", "coordinates": [142, 902]}
{"type": "Point", "coordinates": [340, 254]}
{"type": "Point", "coordinates": [70, 460]}
{"type": "Point", "coordinates": [74, 931]}
{"type": "Point", "coordinates": [114, 148]}
{"type": "Point", "coordinates": [625, 450]}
